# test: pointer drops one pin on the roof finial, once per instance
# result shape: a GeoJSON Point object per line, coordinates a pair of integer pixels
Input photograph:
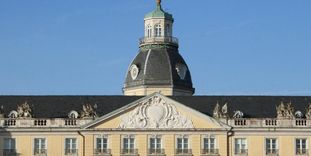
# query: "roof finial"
{"type": "Point", "coordinates": [159, 2]}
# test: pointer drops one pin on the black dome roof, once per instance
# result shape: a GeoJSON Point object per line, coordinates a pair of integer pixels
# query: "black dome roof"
{"type": "Point", "coordinates": [157, 67]}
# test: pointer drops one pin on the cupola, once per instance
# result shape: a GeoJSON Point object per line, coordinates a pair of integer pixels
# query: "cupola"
{"type": "Point", "coordinates": [158, 66]}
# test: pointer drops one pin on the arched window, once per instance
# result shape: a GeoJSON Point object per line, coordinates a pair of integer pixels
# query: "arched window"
{"type": "Point", "coordinates": [167, 30]}
{"type": "Point", "coordinates": [158, 30]}
{"type": "Point", "coordinates": [149, 31]}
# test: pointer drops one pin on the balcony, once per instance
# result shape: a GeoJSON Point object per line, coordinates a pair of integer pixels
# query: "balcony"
{"type": "Point", "coordinates": [156, 152]}
{"type": "Point", "coordinates": [272, 152]}
{"type": "Point", "coordinates": [9, 152]}
{"type": "Point", "coordinates": [71, 152]}
{"type": "Point", "coordinates": [241, 152]}
{"type": "Point", "coordinates": [183, 152]}
{"type": "Point", "coordinates": [129, 152]}
{"type": "Point", "coordinates": [157, 40]}
{"type": "Point", "coordinates": [102, 152]}
{"type": "Point", "coordinates": [302, 152]}
{"type": "Point", "coordinates": [40, 152]}
{"type": "Point", "coordinates": [209, 152]}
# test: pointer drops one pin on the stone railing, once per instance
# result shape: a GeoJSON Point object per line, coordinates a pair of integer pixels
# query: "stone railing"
{"type": "Point", "coordinates": [34, 122]}
{"type": "Point", "coordinates": [155, 40]}
{"type": "Point", "coordinates": [268, 122]}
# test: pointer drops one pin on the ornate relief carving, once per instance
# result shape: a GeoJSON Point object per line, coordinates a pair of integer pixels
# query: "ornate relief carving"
{"type": "Point", "coordinates": [220, 113]}
{"type": "Point", "coordinates": [308, 112]}
{"type": "Point", "coordinates": [285, 112]}
{"type": "Point", "coordinates": [88, 111]}
{"type": "Point", "coordinates": [155, 113]}
{"type": "Point", "coordinates": [24, 110]}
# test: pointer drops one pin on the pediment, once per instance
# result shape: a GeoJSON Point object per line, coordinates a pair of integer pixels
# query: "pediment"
{"type": "Point", "coordinates": [155, 111]}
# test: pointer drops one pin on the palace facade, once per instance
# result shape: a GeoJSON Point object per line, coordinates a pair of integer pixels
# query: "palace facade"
{"type": "Point", "coordinates": [157, 115]}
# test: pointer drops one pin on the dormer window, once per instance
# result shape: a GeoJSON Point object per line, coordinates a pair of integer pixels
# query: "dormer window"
{"type": "Point", "coordinates": [13, 114]}
{"type": "Point", "coordinates": [149, 31]}
{"type": "Point", "coordinates": [158, 30]}
{"type": "Point", "coordinates": [73, 114]}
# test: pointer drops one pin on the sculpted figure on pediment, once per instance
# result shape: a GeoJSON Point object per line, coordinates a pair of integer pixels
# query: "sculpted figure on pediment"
{"type": "Point", "coordinates": [24, 110]}
{"type": "Point", "coordinates": [88, 111]}
{"type": "Point", "coordinates": [155, 113]}
{"type": "Point", "coordinates": [285, 112]}
{"type": "Point", "coordinates": [220, 112]}
{"type": "Point", "coordinates": [308, 112]}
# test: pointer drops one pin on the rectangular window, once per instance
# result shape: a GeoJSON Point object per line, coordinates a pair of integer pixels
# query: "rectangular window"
{"type": "Point", "coordinates": [240, 146]}
{"type": "Point", "coordinates": [301, 146]}
{"type": "Point", "coordinates": [183, 146]}
{"type": "Point", "coordinates": [39, 146]}
{"type": "Point", "coordinates": [129, 145]}
{"type": "Point", "coordinates": [71, 146]}
{"type": "Point", "coordinates": [9, 146]}
{"type": "Point", "coordinates": [155, 145]}
{"type": "Point", "coordinates": [9, 143]}
{"type": "Point", "coordinates": [102, 145]}
{"type": "Point", "coordinates": [209, 146]}
{"type": "Point", "coordinates": [271, 146]}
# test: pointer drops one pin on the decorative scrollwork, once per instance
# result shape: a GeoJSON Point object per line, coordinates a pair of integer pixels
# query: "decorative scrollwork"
{"type": "Point", "coordinates": [155, 112]}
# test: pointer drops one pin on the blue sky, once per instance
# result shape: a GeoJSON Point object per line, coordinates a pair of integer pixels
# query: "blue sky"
{"type": "Point", "coordinates": [79, 47]}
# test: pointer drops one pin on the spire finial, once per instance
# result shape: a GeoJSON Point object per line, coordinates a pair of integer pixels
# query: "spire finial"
{"type": "Point", "coordinates": [158, 2]}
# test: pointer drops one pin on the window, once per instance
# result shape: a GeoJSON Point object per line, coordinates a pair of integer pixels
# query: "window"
{"type": "Point", "coordinates": [9, 146]}
{"type": "Point", "coordinates": [129, 145]}
{"type": "Point", "coordinates": [167, 30]}
{"type": "Point", "coordinates": [183, 146]}
{"type": "Point", "coordinates": [70, 146]}
{"type": "Point", "coordinates": [155, 145]}
{"type": "Point", "coordinates": [102, 145]}
{"type": "Point", "coordinates": [209, 146]}
{"type": "Point", "coordinates": [271, 146]}
{"type": "Point", "coordinates": [149, 31]}
{"type": "Point", "coordinates": [301, 146]}
{"type": "Point", "coordinates": [39, 146]}
{"type": "Point", "coordinates": [240, 146]}
{"type": "Point", "coordinates": [158, 30]}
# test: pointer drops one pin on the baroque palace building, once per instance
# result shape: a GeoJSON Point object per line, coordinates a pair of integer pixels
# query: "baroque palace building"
{"type": "Point", "coordinates": [157, 116]}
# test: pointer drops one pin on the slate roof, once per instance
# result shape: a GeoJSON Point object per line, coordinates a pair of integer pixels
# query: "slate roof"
{"type": "Point", "coordinates": [157, 67]}
{"type": "Point", "coordinates": [60, 106]}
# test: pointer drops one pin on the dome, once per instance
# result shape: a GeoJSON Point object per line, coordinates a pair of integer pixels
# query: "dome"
{"type": "Point", "coordinates": [159, 13]}
{"type": "Point", "coordinates": [159, 67]}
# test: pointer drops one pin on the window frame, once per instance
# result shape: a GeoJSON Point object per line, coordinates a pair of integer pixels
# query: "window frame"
{"type": "Point", "coordinates": [270, 149]}
{"type": "Point", "coordinates": [128, 142]}
{"type": "Point", "coordinates": [149, 31]}
{"type": "Point", "coordinates": [40, 148]}
{"type": "Point", "coordinates": [71, 149]}
{"type": "Point", "coordinates": [209, 137]}
{"type": "Point", "coordinates": [240, 145]}
{"type": "Point", "coordinates": [10, 144]}
{"type": "Point", "coordinates": [156, 142]}
{"type": "Point", "coordinates": [158, 30]}
{"type": "Point", "coordinates": [306, 145]}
